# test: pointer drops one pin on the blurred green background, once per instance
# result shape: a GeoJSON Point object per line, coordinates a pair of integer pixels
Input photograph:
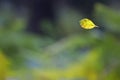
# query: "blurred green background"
{"type": "Point", "coordinates": [64, 51]}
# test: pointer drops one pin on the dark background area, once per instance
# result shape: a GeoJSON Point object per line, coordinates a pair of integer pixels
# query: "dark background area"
{"type": "Point", "coordinates": [46, 9]}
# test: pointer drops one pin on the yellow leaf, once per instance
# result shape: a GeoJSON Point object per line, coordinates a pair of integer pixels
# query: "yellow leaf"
{"type": "Point", "coordinates": [87, 24]}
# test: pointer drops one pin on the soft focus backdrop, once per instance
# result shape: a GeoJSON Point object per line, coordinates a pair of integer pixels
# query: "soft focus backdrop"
{"type": "Point", "coordinates": [42, 40]}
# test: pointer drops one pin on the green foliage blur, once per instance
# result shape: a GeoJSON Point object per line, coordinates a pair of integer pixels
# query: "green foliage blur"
{"type": "Point", "coordinates": [68, 53]}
